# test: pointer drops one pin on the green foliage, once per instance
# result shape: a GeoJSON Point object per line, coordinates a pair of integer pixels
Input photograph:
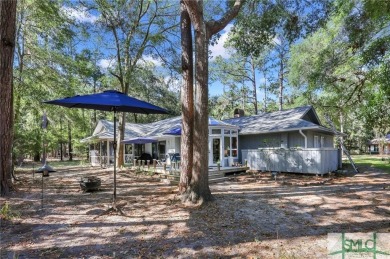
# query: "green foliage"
{"type": "Point", "coordinates": [343, 69]}
{"type": "Point", "coordinates": [53, 61]}
{"type": "Point", "coordinates": [7, 213]}
{"type": "Point", "coordinates": [262, 20]}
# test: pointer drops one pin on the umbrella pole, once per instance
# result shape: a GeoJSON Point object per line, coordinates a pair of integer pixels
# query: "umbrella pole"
{"type": "Point", "coordinates": [114, 145]}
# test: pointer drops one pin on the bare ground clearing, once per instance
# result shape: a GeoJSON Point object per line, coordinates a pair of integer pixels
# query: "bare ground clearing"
{"type": "Point", "coordinates": [252, 216]}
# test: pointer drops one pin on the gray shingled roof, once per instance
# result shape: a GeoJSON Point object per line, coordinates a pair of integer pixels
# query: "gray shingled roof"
{"type": "Point", "coordinates": [159, 127]}
{"type": "Point", "coordinates": [385, 139]}
{"type": "Point", "coordinates": [154, 129]}
{"type": "Point", "coordinates": [132, 130]}
{"type": "Point", "coordinates": [279, 121]}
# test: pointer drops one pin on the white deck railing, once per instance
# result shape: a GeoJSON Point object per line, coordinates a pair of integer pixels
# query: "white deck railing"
{"type": "Point", "coordinates": [306, 160]}
{"type": "Point", "coordinates": [97, 160]}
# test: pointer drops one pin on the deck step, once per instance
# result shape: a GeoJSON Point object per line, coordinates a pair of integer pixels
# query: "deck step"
{"type": "Point", "coordinates": [173, 180]}
{"type": "Point", "coordinates": [211, 181]}
{"type": "Point", "coordinates": [219, 180]}
{"type": "Point", "coordinates": [215, 176]}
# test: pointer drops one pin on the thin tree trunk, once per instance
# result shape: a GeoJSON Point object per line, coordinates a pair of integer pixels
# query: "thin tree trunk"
{"type": "Point", "coordinates": [187, 102]}
{"type": "Point", "coordinates": [120, 149]}
{"type": "Point", "coordinates": [7, 46]}
{"type": "Point", "coordinates": [342, 131]}
{"type": "Point", "coordinates": [254, 84]}
{"type": "Point", "coordinates": [70, 142]}
{"type": "Point", "coordinates": [265, 91]}
{"type": "Point", "coordinates": [281, 78]}
{"type": "Point", "coordinates": [61, 142]}
{"type": "Point", "coordinates": [94, 111]}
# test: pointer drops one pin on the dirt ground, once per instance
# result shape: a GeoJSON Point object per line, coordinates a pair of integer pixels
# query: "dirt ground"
{"type": "Point", "coordinates": [253, 216]}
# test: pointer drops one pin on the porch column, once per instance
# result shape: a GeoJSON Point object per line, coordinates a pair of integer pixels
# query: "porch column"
{"type": "Point", "coordinates": [124, 152]}
{"type": "Point", "coordinates": [89, 153]}
{"type": "Point", "coordinates": [100, 151]}
{"type": "Point", "coordinates": [108, 152]}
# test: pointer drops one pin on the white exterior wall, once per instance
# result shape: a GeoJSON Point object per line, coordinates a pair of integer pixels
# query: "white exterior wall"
{"type": "Point", "coordinates": [171, 145]}
{"type": "Point", "coordinates": [177, 144]}
{"type": "Point", "coordinates": [148, 148]}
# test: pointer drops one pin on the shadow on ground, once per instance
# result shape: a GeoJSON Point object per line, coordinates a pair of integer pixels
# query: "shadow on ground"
{"type": "Point", "coordinates": [252, 215]}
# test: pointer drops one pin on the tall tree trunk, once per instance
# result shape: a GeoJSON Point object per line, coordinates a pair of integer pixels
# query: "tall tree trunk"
{"type": "Point", "coordinates": [7, 46]}
{"type": "Point", "coordinates": [254, 83]}
{"type": "Point", "coordinates": [341, 130]}
{"type": "Point", "coordinates": [281, 78]}
{"type": "Point", "coordinates": [61, 142]}
{"type": "Point", "coordinates": [70, 149]}
{"type": "Point", "coordinates": [200, 182]}
{"type": "Point", "coordinates": [199, 186]}
{"type": "Point", "coordinates": [120, 138]}
{"type": "Point", "coordinates": [94, 111]}
{"type": "Point", "coordinates": [265, 91]}
{"type": "Point", "coordinates": [187, 101]}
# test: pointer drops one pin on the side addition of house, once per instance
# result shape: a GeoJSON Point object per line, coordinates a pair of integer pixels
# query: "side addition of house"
{"type": "Point", "coordinates": [287, 141]}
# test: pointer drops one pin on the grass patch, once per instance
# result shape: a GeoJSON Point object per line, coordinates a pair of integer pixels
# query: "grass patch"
{"type": "Point", "coordinates": [377, 162]}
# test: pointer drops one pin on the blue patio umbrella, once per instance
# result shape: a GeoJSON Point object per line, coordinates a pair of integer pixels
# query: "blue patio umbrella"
{"type": "Point", "coordinates": [110, 100]}
{"type": "Point", "coordinates": [139, 140]}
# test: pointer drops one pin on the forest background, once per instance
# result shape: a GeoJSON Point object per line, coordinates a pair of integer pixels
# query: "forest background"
{"type": "Point", "coordinates": [276, 54]}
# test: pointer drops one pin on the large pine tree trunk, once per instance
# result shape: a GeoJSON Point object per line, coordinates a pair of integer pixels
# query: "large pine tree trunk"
{"type": "Point", "coordinates": [7, 45]}
{"type": "Point", "coordinates": [187, 103]}
{"type": "Point", "coordinates": [198, 190]}
{"type": "Point", "coordinates": [200, 183]}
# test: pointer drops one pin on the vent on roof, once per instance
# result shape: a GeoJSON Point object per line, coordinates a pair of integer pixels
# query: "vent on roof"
{"type": "Point", "coordinates": [239, 113]}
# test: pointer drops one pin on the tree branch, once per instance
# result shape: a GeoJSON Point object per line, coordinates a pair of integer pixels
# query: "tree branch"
{"type": "Point", "coordinates": [195, 10]}
{"type": "Point", "coordinates": [214, 27]}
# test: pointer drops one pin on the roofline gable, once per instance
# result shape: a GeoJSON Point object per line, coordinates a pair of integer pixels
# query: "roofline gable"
{"type": "Point", "coordinates": [99, 127]}
{"type": "Point", "coordinates": [315, 114]}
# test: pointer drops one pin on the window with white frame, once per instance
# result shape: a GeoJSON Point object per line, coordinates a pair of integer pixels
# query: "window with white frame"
{"type": "Point", "coordinates": [316, 142]}
{"type": "Point", "coordinates": [234, 147]}
{"type": "Point", "coordinates": [227, 148]}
